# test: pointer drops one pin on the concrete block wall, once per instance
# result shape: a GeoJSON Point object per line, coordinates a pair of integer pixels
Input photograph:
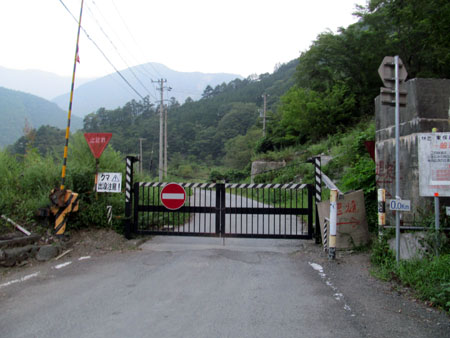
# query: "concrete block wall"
{"type": "Point", "coordinates": [428, 107]}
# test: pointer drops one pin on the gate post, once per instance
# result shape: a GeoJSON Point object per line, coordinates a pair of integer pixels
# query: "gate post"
{"type": "Point", "coordinates": [318, 189]}
{"type": "Point", "coordinates": [220, 208]}
{"type": "Point", "coordinates": [310, 210]}
{"type": "Point", "coordinates": [128, 194]}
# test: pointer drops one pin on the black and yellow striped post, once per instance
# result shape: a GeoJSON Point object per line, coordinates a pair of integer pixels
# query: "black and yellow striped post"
{"type": "Point", "coordinates": [64, 202]}
{"type": "Point", "coordinates": [66, 146]}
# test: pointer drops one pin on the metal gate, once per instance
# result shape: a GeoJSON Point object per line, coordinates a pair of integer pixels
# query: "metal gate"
{"type": "Point", "coordinates": [225, 210]}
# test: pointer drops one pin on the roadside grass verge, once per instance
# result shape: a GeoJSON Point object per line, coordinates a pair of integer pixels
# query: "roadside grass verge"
{"type": "Point", "coordinates": [428, 277]}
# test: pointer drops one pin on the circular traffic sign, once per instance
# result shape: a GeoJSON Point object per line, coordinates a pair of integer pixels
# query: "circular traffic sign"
{"type": "Point", "coordinates": [173, 196]}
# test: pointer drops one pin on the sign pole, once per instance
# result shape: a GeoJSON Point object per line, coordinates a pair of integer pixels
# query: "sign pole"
{"type": "Point", "coordinates": [397, 159]}
{"type": "Point", "coordinates": [66, 146]}
{"type": "Point", "coordinates": [436, 221]}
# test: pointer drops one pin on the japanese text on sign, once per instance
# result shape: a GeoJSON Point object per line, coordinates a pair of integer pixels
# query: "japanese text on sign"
{"type": "Point", "coordinates": [109, 182]}
{"type": "Point", "coordinates": [434, 164]}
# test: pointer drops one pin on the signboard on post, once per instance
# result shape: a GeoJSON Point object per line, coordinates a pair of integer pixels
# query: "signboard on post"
{"type": "Point", "coordinates": [387, 75]}
{"type": "Point", "coordinates": [97, 142]}
{"type": "Point", "coordinates": [109, 182]}
{"type": "Point", "coordinates": [173, 196]}
{"type": "Point", "coordinates": [434, 164]}
{"type": "Point", "coordinates": [399, 205]}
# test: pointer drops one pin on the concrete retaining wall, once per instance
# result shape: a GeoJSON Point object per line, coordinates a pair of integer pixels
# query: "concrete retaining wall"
{"type": "Point", "coordinates": [428, 107]}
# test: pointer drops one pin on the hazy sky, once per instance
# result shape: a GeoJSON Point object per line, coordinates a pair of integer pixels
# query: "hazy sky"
{"type": "Point", "coordinates": [233, 36]}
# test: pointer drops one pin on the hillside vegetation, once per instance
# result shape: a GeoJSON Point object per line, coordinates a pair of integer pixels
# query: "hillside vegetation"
{"type": "Point", "coordinates": [19, 110]}
{"type": "Point", "coordinates": [110, 91]}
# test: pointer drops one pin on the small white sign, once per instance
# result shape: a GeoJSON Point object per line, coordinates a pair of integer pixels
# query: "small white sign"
{"type": "Point", "coordinates": [447, 211]}
{"type": "Point", "coordinates": [399, 205]}
{"type": "Point", "coordinates": [109, 182]}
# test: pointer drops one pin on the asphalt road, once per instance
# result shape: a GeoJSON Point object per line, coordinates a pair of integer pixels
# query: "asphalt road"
{"type": "Point", "coordinates": [199, 287]}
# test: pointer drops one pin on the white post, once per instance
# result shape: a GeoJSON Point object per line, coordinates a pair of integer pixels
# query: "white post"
{"type": "Point", "coordinates": [333, 224]}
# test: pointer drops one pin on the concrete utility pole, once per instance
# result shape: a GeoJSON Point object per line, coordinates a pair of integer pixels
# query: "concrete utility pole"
{"type": "Point", "coordinates": [140, 154]}
{"type": "Point", "coordinates": [161, 128]}
{"type": "Point", "coordinates": [165, 142]}
{"type": "Point", "coordinates": [264, 114]}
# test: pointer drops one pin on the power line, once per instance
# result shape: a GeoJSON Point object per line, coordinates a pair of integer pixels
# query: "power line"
{"type": "Point", "coordinates": [139, 47]}
{"type": "Point", "coordinates": [100, 50]}
{"type": "Point", "coordinates": [117, 50]}
{"type": "Point", "coordinates": [115, 47]}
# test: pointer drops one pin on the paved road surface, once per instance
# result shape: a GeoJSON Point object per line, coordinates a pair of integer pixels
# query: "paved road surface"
{"type": "Point", "coordinates": [197, 287]}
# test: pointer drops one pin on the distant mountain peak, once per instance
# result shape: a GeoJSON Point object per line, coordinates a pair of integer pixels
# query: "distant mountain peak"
{"type": "Point", "coordinates": [37, 82]}
{"type": "Point", "coordinates": [111, 92]}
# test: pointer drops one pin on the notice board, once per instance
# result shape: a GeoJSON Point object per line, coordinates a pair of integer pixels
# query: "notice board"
{"type": "Point", "coordinates": [434, 164]}
{"type": "Point", "coordinates": [352, 229]}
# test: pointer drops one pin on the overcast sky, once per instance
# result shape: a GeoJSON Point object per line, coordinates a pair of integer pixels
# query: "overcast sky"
{"type": "Point", "coordinates": [234, 36]}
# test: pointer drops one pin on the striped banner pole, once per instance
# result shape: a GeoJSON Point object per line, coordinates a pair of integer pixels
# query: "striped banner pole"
{"type": "Point", "coordinates": [66, 146]}
{"type": "Point", "coordinates": [128, 194]}
{"type": "Point", "coordinates": [318, 186]}
{"type": "Point", "coordinates": [325, 234]}
{"type": "Point", "coordinates": [109, 214]}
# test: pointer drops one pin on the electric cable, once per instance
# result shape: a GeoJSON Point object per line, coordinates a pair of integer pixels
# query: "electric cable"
{"type": "Point", "coordinates": [117, 51]}
{"type": "Point", "coordinates": [139, 47]}
{"type": "Point", "coordinates": [101, 51]}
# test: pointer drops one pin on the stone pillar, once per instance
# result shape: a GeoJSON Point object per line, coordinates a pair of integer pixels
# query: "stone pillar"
{"type": "Point", "coordinates": [427, 108]}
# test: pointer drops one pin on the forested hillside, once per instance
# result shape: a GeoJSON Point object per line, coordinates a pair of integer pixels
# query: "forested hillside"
{"type": "Point", "coordinates": [110, 92]}
{"type": "Point", "coordinates": [18, 110]}
{"type": "Point", "coordinates": [198, 131]}
{"type": "Point", "coordinates": [327, 91]}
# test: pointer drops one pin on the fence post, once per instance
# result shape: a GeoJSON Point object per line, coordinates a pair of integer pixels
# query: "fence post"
{"type": "Point", "coordinates": [128, 194]}
{"type": "Point", "coordinates": [135, 205]}
{"type": "Point", "coordinates": [222, 209]}
{"type": "Point", "coordinates": [219, 188]}
{"type": "Point", "coordinates": [333, 224]}
{"type": "Point", "coordinates": [311, 191]}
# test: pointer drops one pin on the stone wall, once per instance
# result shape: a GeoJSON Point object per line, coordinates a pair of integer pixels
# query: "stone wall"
{"type": "Point", "coordinates": [259, 167]}
{"type": "Point", "coordinates": [428, 107]}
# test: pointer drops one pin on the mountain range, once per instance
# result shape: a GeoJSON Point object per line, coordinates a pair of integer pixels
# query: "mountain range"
{"type": "Point", "coordinates": [19, 109]}
{"type": "Point", "coordinates": [111, 91]}
{"type": "Point", "coordinates": [43, 84]}
{"type": "Point", "coordinates": [25, 94]}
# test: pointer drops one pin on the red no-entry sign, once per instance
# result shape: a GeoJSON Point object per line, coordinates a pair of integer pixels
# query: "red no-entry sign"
{"type": "Point", "coordinates": [173, 196]}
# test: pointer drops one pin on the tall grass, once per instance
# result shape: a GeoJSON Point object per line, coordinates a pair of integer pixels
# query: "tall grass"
{"type": "Point", "coordinates": [26, 182]}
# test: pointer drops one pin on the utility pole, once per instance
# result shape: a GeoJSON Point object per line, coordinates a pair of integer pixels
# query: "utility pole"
{"type": "Point", "coordinates": [140, 154]}
{"type": "Point", "coordinates": [264, 114]}
{"type": "Point", "coordinates": [165, 142]}
{"type": "Point", "coordinates": [161, 128]}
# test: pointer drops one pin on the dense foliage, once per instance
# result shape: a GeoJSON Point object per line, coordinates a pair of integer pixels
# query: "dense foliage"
{"type": "Point", "coordinates": [208, 131]}
{"type": "Point", "coordinates": [26, 181]}
{"type": "Point", "coordinates": [336, 79]}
